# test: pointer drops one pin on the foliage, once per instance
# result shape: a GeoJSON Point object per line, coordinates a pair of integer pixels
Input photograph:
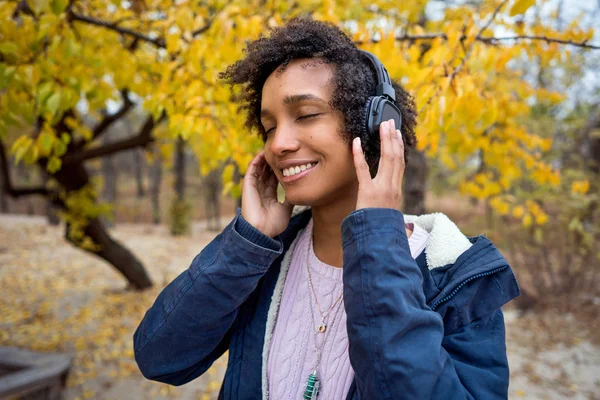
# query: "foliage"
{"type": "Point", "coordinates": [563, 256]}
{"type": "Point", "coordinates": [60, 60]}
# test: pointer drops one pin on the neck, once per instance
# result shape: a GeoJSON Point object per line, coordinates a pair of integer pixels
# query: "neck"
{"type": "Point", "coordinates": [327, 233]}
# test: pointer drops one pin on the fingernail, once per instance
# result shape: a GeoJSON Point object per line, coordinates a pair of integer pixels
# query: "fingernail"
{"type": "Point", "coordinates": [399, 133]}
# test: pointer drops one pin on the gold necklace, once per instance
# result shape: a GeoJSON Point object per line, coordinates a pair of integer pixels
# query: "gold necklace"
{"type": "Point", "coordinates": [322, 326]}
{"type": "Point", "coordinates": [313, 383]}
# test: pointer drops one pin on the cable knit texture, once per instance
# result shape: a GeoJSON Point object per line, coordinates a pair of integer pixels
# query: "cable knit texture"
{"type": "Point", "coordinates": [292, 354]}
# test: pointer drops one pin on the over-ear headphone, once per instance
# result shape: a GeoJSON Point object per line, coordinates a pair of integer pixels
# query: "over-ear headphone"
{"type": "Point", "coordinates": [380, 107]}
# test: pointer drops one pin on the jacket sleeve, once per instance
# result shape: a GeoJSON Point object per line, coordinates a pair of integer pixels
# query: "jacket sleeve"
{"type": "Point", "coordinates": [397, 344]}
{"type": "Point", "coordinates": [188, 326]}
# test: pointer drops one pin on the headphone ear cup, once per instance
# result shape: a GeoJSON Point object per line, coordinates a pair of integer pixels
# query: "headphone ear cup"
{"type": "Point", "coordinates": [368, 116]}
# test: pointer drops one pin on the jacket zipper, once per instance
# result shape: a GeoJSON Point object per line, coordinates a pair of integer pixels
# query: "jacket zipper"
{"type": "Point", "coordinates": [453, 293]}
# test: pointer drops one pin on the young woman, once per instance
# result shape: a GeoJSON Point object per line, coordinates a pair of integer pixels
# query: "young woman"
{"type": "Point", "coordinates": [350, 298]}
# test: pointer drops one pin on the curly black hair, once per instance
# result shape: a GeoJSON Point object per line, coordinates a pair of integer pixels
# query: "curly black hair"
{"type": "Point", "coordinates": [354, 78]}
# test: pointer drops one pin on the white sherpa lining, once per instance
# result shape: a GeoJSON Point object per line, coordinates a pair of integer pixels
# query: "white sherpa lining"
{"type": "Point", "coordinates": [445, 244]}
{"type": "Point", "coordinates": [274, 310]}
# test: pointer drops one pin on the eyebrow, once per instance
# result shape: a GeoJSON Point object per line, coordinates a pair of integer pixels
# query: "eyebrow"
{"type": "Point", "coordinates": [293, 99]}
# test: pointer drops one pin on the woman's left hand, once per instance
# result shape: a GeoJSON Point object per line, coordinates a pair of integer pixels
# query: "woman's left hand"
{"type": "Point", "coordinates": [385, 190]}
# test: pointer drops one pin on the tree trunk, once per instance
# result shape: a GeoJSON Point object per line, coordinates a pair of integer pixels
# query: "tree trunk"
{"type": "Point", "coordinates": [415, 178]}
{"type": "Point", "coordinates": [116, 254]}
{"type": "Point", "coordinates": [237, 177]}
{"type": "Point", "coordinates": [138, 159]}
{"type": "Point", "coordinates": [212, 199]}
{"type": "Point", "coordinates": [50, 208]}
{"type": "Point", "coordinates": [76, 177]}
{"type": "Point", "coordinates": [180, 169]}
{"type": "Point", "coordinates": [109, 193]}
{"type": "Point", "coordinates": [3, 198]}
{"type": "Point", "coordinates": [155, 181]}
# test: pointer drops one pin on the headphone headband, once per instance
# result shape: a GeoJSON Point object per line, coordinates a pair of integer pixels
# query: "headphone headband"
{"type": "Point", "coordinates": [384, 83]}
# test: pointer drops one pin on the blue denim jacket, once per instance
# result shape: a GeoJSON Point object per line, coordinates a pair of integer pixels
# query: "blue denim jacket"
{"type": "Point", "coordinates": [415, 330]}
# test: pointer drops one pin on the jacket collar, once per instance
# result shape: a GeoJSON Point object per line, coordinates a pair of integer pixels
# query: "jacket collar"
{"type": "Point", "coordinates": [445, 243]}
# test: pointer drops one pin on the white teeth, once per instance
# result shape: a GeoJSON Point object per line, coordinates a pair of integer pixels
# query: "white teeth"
{"type": "Point", "coordinates": [297, 169]}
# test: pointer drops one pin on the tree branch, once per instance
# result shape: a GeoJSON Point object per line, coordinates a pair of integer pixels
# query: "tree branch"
{"type": "Point", "coordinates": [158, 42]}
{"type": "Point", "coordinates": [583, 44]}
{"type": "Point", "coordinates": [143, 138]}
{"type": "Point", "coordinates": [491, 39]}
{"type": "Point", "coordinates": [8, 187]}
{"type": "Point", "coordinates": [110, 119]}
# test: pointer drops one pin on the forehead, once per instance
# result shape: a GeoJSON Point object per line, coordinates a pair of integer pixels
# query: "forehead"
{"type": "Point", "coordinates": [304, 75]}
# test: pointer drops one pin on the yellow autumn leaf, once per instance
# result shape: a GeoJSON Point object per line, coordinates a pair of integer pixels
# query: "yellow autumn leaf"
{"type": "Point", "coordinates": [520, 6]}
{"type": "Point", "coordinates": [580, 187]}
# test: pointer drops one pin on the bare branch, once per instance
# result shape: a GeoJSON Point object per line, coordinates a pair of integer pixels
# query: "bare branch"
{"type": "Point", "coordinates": [492, 40]}
{"type": "Point", "coordinates": [143, 138]}
{"type": "Point", "coordinates": [110, 119]}
{"type": "Point", "coordinates": [200, 31]}
{"type": "Point", "coordinates": [8, 187]}
{"type": "Point", "coordinates": [22, 7]}
{"type": "Point", "coordinates": [158, 42]}
{"type": "Point", "coordinates": [584, 44]}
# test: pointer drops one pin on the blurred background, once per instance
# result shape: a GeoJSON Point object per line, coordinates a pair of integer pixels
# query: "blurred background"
{"type": "Point", "coordinates": [121, 157]}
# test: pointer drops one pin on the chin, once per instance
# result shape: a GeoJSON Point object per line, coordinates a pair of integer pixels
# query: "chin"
{"type": "Point", "coordinates": [299, 199]}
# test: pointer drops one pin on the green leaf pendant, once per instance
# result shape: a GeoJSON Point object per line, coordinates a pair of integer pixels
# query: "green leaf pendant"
{"type": "Point", "coordinates": [312, 387]}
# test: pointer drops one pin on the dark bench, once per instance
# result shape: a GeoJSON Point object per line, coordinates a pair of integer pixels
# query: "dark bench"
{"type": "Point", "coordinates": [29, 375]}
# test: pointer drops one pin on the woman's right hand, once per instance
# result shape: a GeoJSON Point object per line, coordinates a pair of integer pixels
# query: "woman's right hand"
{"type": "Point", "coordinates": [260, 206]}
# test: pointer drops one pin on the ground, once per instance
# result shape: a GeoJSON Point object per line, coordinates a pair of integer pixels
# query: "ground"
{"type": "Point", "coordinates": [58, 298]}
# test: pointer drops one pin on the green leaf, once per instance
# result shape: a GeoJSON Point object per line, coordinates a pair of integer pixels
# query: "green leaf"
{"type": "Point", "coordinates": [39, 6]}
{"type": "Point", "coordinates": [44, 91]}
{"type": "Point", "coordinates": [72, 48]}
{"type": "Point", "coordinates": [65, 138]}
{"type": "Point", "coordinates": [53, 103]}
{"type": "Point", "coordinates": [58, 6]}
{"type": "Point", "coordinates": [9, 48]}
{"type": "Point", "coordinates": [22, 148]}
{"type": "Point", "coordinates": [53, 165]}
{"type": "Point", "coordinates": [59, 148]}
{"type": "Point", "coordinates": [45, 142]}
{"type": "Point", "coordinates": [520, 7]}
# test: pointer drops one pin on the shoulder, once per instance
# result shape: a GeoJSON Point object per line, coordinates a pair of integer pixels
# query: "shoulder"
{"type": "Point", "coordinates": [464, 278]}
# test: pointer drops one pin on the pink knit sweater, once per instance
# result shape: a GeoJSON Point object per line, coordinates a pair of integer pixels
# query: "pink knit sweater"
{"type": "Point", "coordinates": [292, 354]}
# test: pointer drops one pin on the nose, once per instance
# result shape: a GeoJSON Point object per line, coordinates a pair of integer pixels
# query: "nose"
{"type": "Point", "coordinates": [283, 140]}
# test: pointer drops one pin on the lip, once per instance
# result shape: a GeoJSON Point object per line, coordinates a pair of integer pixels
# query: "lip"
{"type": "Point", "coordinates": [293, 178]}
{"type": "Point", "coordinates": [295, 162]}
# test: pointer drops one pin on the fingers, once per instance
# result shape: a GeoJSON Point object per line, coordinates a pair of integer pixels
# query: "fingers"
{"type": "Point", "coordinates": [387, 159]}
{"type": "Point", "coordinates": [360, 164]}
{"type": "Point", "coordinates": [270, 183]}
{"type": "Point", "coordinates": [401, 160]}
{"type": "Point", "coordinates": [398, 147]}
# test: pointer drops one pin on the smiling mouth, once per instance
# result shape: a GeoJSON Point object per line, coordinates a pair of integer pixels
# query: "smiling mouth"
{"type": "Point", "coordinates": [297, 170]}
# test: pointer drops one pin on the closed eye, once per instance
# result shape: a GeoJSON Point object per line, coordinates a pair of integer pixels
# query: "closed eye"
{"type": "Point", "coordinates": [308, 116]}
{"type": "Point", "coordinates": [303, 117]}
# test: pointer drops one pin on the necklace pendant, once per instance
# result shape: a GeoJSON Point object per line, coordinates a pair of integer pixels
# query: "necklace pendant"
{"type": "Point", "coordinates": [312, 387]}
{"type": "Point", "coordinates": [322, 328]}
